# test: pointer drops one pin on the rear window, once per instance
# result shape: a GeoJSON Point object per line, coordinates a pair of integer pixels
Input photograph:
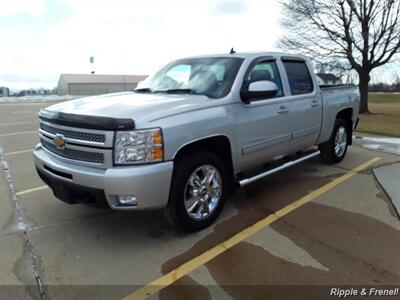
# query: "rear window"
{"type": "Point", "coordinates": [299, 77]}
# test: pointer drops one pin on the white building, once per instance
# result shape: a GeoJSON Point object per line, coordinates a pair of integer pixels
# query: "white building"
{"type": "Point", "coordinates": [95, 84]}
{"type": "Point", "coordinates": [328, 79]}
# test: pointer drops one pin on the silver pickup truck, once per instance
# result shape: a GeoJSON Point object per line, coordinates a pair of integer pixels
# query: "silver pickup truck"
{"type": "Point", "coordinates": [190, 133]}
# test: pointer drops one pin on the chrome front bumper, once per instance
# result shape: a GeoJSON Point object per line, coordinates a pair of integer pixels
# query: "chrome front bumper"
{"type": "Point", "coordinates": [150, 184]}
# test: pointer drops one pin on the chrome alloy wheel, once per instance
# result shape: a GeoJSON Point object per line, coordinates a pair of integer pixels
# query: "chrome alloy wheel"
{"type": "Point", "coordinates": [203, 192]}
{"type": "Point", "coordinates": [340, 141]}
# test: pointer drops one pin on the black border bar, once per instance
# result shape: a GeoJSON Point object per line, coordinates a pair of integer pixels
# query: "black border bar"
{"type": "Point", "coordinates": [88, 122]}
{"type": "Point", "coordinates": [292, 58]}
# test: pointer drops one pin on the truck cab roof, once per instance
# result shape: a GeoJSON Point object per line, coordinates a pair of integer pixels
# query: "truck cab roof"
{"type": "Point", "coordinates": [252, 55]}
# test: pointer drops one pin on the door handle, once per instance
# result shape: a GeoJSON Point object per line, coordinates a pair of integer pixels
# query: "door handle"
{"type": "Point", "coordinates": [283, 110]}
{"type": "Point", "coordinates": [314, 104]}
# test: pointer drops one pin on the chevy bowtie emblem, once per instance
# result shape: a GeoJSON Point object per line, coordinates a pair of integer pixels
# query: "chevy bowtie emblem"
{"type": "Point", "coordinates": [59, 141]}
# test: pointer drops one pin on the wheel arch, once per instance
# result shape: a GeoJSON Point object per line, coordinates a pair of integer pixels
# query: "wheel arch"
{"type": "Point", "coordinates": [217, 144]}
{"type": "Point", "coordinates": [346, 114]}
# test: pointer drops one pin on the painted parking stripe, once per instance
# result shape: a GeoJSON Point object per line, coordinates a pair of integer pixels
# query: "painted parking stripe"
{"type": "Point", "coordinates": [17, 123]}
{"type": "Point", "coordinates": [22, 112]}
{"type": "Point", "coordinates": [205, 257]}
{"type": "Point", "coordinates": [26, 103]}
{"type": "Point", "coordinates": [18, 133]}
{"type": "Point", "coordinates": [32, 190]}
{"type": "Point", "coordinates": [18, 152]}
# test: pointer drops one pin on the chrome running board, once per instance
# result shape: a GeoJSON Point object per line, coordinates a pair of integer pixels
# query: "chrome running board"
{"type": "Point", "coordinates": [288, 164]}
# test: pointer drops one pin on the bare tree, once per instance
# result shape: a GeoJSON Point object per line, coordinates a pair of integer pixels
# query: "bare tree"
{"type": "Point", "coordinates": [396, 82]}
{"type": "Point", "coordinates": [363, 34]}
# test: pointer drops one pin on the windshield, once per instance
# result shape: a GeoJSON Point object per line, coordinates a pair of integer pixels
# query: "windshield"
{"type": "Point", "coordinates": [212, 77]}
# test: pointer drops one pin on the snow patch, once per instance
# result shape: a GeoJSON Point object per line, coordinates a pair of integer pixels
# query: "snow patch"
{"type": "Point", "coordinates": [383, 144]}
{"type": "Point", "coordinates": [373, 146]}
{"type": "Point", "coordinates": [385, 140]}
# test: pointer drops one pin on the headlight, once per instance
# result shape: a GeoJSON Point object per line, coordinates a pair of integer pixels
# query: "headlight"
{"type": "Point", "coordinates": [138, 147]}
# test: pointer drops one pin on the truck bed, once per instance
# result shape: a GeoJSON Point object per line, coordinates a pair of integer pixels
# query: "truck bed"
{"type": "Point", "coordinates": [334, 99]}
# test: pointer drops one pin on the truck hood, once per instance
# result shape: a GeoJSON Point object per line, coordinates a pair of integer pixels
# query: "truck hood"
{"type": "Point", "coordinates": [131, 105]}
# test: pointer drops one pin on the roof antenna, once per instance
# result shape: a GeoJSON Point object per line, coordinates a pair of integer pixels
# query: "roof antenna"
{"type": "Point", "coordinates": [232, 51]}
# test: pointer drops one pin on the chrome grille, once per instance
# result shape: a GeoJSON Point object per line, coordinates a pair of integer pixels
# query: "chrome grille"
{"type": "Point", "coordinates": [77, 135]}
{"type": "Point", "coordinates": [93, 157]}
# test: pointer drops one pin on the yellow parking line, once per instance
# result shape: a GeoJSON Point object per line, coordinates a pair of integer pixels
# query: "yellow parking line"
{"type": "Point", "coordinates": [18, 152]}
{"type": "Point", "coordinates": [32, 190]}
{"type": "Point", "coordinates": [205, 257]}
{"type": "Point", "coordinates": [17, 133]}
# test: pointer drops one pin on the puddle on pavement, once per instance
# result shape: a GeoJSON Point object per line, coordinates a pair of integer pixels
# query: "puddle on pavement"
{"type": "Point", "coordinates": [355, 248]}
{"type": "Point", "coordinates": [188, 288]}
{"type": "Point", "coordinates": [23, 270]}
{"type": "Point", "coordinates": [253, 204]}
{"type": "Point", "coordinates": [310, 169]}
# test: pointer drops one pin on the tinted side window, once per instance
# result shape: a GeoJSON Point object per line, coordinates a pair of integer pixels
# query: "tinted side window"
{"type": "Point", "coordinates": [266, 71]}
{"type": "Point", "coordinates": [300, 81]}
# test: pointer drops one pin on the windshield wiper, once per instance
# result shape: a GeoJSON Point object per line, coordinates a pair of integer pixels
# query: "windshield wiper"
{"type": "Point", "coordinates": [143, 90]}
{"type": "Point", "coordinates": [173, 91]}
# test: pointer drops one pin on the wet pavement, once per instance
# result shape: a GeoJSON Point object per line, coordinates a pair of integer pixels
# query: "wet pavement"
{"type": "Point", "coordinates": [349, 235]}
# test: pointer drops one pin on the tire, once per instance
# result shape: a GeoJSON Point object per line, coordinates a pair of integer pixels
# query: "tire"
{"type": "Point", "coordinates": [334, 150]}
{"type": "Point", "coordinates": [186, 190]}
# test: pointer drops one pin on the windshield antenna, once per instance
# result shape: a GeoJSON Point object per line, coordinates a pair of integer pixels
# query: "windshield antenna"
{"type": "Point", "coordinates": [232, 51]}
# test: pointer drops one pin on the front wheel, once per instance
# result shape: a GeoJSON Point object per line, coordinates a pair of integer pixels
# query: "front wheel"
{"type": "Point", "coordinates": [197, 190]}
{"type": "Point", "coordinates": [334, 150]}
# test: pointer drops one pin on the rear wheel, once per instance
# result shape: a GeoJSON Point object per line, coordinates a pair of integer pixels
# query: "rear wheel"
{"type": "Point", "coordinates": [197, 190]}
{"type": "Point", "coordinates": [334, 150]}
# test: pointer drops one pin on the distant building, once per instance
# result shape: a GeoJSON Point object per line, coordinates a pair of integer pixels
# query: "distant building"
{"type": "Point", "coordinates": [328, 79]}
{"type": "Point", "coordinates": [94, 84]}
{"type": "Point", "coordinates": [4, 91]}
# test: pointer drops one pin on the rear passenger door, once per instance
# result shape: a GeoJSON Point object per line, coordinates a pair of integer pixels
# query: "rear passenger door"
{"type": "Point", "coordinates": [304, 102]}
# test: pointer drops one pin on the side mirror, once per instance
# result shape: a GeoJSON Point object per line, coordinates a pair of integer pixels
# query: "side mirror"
{"type": "Point", "coordinates": [259, 90]}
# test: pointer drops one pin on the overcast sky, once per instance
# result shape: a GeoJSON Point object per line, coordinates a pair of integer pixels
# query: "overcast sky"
{"type": "Point", "coordinates": [42, 38]}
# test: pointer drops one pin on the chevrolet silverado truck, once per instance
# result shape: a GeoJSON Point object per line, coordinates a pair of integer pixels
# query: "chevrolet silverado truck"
{"type": "Point", "coordinates": [187, 135]}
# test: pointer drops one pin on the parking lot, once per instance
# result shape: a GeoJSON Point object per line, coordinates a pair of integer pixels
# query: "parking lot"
{"type": "Point", "coordinates": [346, 232]}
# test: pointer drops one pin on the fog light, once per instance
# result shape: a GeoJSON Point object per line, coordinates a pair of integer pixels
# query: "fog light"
{"type": "Point", "coordinates": [127, 200]}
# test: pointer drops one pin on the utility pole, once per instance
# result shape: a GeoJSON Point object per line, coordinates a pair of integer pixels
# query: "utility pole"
{"type": "Point", "coordinates": [92, 64]}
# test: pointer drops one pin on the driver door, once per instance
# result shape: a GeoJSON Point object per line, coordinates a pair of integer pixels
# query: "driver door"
{"type": "Point", "coordinates": [263, 126]}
